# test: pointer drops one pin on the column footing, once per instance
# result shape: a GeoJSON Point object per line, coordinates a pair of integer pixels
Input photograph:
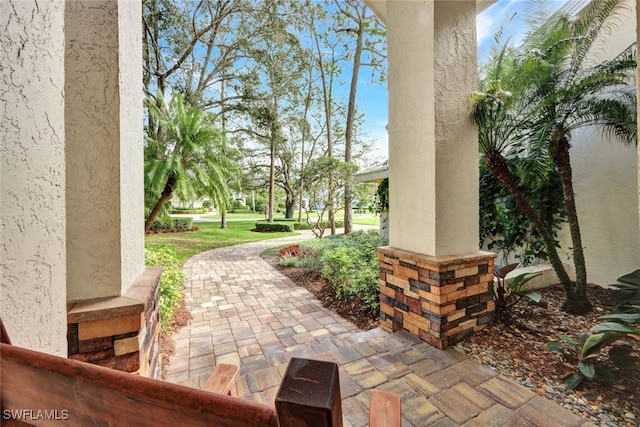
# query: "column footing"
{"type": "Point", "coordinates": [119, 332]}
{"type": "Point", "coordinates": [441, 299]}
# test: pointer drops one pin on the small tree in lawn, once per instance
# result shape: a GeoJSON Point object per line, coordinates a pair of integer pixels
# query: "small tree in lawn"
{"type": "Point", "coordinates": [186, 158]}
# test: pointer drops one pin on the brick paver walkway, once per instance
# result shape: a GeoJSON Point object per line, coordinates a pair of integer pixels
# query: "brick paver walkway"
{"type": "Point", "coordinates": [246, 313]}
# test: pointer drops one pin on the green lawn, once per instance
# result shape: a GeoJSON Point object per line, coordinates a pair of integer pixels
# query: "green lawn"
{"type": "Point", "coordinates": [366, 219]}
{"type": "Point", "coordinates": [363, 219]}
{"type": "Point", "coordinates": [210, 236]}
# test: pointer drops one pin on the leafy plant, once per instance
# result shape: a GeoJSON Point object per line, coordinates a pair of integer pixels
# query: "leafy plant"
{"type": "Point", "coordinates": [288, 260]}
{"type": "Point", "coordinates": [622, 323]}
{"type": "Point", "coordinates": [507, 295]}
{"type": "Point", "coordinates": [590, 345]}
{"type": "Point", "coordinates": [352, 268]}
{"type": "Point", "coordinates": [504, 228]}
{"type": "Point", "coordinates": [170, 282]}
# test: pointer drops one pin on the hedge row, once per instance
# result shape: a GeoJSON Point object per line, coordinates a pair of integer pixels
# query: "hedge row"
{"type": "Point", "coordinates": [177, 211]}
{"type": "Point", "coordinates": [288, 225]}
{"type": "Point", "coordinates": [174, 224]}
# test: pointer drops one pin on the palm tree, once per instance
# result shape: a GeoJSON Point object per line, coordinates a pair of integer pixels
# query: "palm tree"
{"type": "Point", "coordinates": [186, 157]}
{"type": "Point", "coordinates": [557, 90]}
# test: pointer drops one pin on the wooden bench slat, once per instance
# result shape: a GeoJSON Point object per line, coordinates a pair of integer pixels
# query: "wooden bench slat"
{"type": "Point", "coordinates": [94, 395]}
{"type": "Point", "coordinates": [384, 410]}
{"type": "Point", "coordinates": [223, 380]}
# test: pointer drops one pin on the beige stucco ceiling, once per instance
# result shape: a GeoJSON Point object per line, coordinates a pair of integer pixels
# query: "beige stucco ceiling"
{"type": "Point", "coordinates": [379, 7]}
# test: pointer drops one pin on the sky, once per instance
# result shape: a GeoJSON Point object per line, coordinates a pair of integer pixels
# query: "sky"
{"type": "Point", "coordinates": [373, 98]}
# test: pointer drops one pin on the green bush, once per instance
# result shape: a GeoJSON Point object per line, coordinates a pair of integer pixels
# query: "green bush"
{"type": "Point", "coordinates": [181, 224]}
{"type": "Point", "coordinates": [175, 211]}
{"type": "Point", "coordinates": [271, 227]}
{"type": "Point", "coordinates": [352, 268]}
{"type": "Point", "coordinates": [288, 261]}
{"type": "Point", "coordinates": [160, 224]}
{"type": "Point", "coordinates": [173, 224]}
{"type": "Point", "coordinates": [170, 282]}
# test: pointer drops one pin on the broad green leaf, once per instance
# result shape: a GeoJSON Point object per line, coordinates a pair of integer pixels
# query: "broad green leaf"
{"type": "Point", "coordinates": [625, 317]}
{"type": "Point", "coordinates": [587, 369]}
{"type": "Point", "coordinates": [502, 273]}
{"type": "Point", "coordinates": [617, 327]}
{"type": "Point", "coordinates": [573, 381]}
{"type": "Point", "coordinates": [567, 339]}
{"type": "Point", "coordinates": [595, 342]}
{"type": "Point", "coordinates": [534, 296]}
{"type": "Point", "coordinates": [554, 346]}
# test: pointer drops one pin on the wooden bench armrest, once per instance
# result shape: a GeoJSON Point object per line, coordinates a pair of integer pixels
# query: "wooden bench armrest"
{"type": "Point", "coordinates": [384, 410]}
{"type": "Point", "coordinates": [223, 380]}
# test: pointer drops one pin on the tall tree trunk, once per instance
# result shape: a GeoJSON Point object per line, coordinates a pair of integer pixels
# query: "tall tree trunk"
{"type": "Point", "coordinates": [290, 207]}
{"type": "Point", "coordinates": [166, 195]}
{"type": "Point", "coordinates": [272, 179]}
{"type": "Point", "coordinates": [223, 218]}
{"type": "Point", "coordinates": [351, 113]}
{"type": "Point", "coordinates": [497, 165]}
{"type": "Point", "coordinates": [580, 303]}
{"type": "Point", "coordinates": [326, 95]}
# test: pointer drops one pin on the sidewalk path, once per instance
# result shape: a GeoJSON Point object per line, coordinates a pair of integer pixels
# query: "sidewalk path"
{"type": "Point", "coordinates": [246, 313]}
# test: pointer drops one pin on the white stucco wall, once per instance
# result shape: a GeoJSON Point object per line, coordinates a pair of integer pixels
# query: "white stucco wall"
{"type": "Point", "coordinates": [433, 153]}
{"type": "Point", "coordinates": [131, 143]}
{"type": "Point", "coordinates": [32, 203]}
{"type": "Point", "coordinates": [104, 147]}
{"type": "Point", "coordinates": [605, 175]}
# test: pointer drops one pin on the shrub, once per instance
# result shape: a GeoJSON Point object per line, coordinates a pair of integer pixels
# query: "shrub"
{"type": "Point", "coordinates": [271, 227]}
{"type": "Point", "coordinates": [181, 224]}
{"type": "Point", "coordinates": [187, 211]}
{"type": "Point", "coordinates": [173, 224]}
{"type": "Point", "coordinates": [288, 260]}
{"type": "Point", "coordinates": [615, 333]}
{"type": "Point", "coordinates": [352, 268]}
{"type": "Point", "coordinates": [293, 251]}
{"type": "Point", "coordinates": [170, 282]}
{"type": "Point", "coordinates": [160, 224]}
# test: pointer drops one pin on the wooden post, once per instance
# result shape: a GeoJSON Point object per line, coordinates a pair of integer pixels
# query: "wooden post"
{"type": "Point", "coordinates": [309, 395]}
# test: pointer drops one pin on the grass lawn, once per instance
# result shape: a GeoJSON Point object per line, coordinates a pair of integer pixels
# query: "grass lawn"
{"type": "Point", "coordinates": [366, 219]}
{"type": "Point", "coordinates": [363, 219]}
{"type": "Point", "coordinates": [210, 236]}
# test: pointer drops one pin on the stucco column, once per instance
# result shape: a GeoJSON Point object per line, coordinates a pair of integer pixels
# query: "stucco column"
{"type": "Point", "coordinates": [103, 125]}
{"type": "Point", "coordinates": [32, 202]}
{"type": "Point", "coordinates": [434, 281]}
{"type": "Point", "coordinates": [433, 151]}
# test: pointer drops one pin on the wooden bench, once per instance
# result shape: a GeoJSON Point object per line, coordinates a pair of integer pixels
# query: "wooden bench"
{"type": "Point", "coordinates": [40, 389]}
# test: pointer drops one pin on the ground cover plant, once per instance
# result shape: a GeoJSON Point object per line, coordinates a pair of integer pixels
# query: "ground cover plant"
{"type": "Point", "coordinates": [170, 282]}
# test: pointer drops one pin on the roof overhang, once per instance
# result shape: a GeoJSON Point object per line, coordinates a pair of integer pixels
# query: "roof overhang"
{"type": "Point", "coordinates": [379, 7]}
{"type": "Point", "coordinates": [375, 173]}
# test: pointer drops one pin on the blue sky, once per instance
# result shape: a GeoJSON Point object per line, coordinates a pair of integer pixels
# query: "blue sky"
{"type": "Point", "coordinates": [373, 97]}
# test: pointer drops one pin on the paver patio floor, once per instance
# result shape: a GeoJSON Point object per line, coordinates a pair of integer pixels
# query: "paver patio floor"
{"type": "Point", "coordinates": [246, 313]}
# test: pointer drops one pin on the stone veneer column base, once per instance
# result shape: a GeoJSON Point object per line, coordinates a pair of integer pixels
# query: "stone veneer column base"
{"type": "Point", "coordinates": [122, 332]}
{"type": "Point", "coordinates": [440, 299]}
